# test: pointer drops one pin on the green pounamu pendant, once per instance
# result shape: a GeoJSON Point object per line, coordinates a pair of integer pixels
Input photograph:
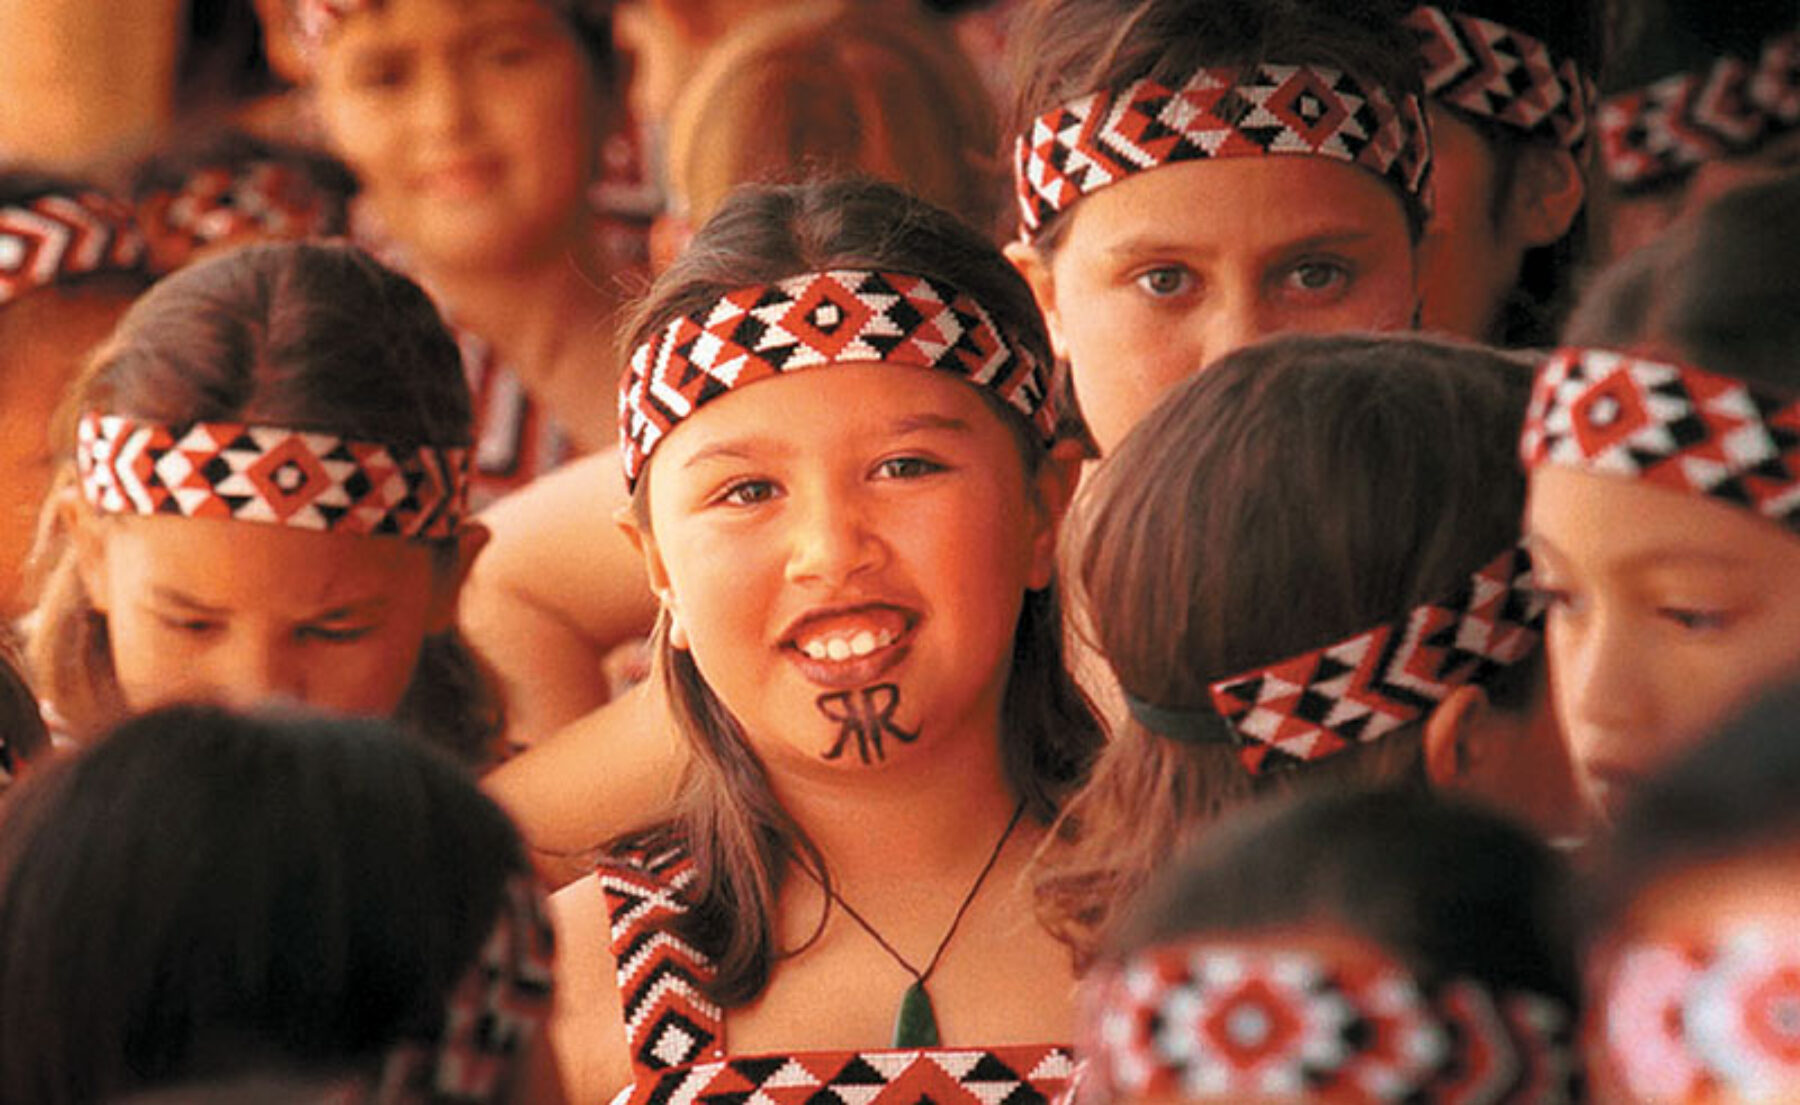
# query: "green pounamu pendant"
{"type": "Point", "coordinates": [916, 1026]}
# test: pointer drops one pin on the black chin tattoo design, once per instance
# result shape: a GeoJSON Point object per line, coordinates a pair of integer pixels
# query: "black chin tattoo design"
{"type": "Point", "coordinates": [867, 717]}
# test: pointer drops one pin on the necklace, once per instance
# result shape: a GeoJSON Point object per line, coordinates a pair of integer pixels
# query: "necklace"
{"type": "Point", "coordinates": [916, 1023]}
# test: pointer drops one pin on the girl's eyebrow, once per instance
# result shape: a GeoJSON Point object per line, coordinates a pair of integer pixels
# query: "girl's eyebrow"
{"type": "Point", "coordinates": [741, 448]}
{"type": "Point", "coordinates": [188, 602]}
{"type": "Point", "coordinates": [925, 423]}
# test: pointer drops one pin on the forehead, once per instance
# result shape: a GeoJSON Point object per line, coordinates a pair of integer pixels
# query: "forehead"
{"type": "Point", "coordinates": [1618, 524]}
{"type": "Point", "coordinates": [389, 21]}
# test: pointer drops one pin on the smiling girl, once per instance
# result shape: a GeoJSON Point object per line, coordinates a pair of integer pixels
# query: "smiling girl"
{"type": "Point", "coordinates": [835, 429]}
{"type": "Point", "coordinates": [262, 496]}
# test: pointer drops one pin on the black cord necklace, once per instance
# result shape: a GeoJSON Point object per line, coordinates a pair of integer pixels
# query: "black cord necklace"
{"type": "Point", "coordinates": [916, 1023]}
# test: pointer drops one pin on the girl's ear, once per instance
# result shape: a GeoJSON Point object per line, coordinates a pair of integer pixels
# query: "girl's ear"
{"type": "Point", "coordinates": [1547, 193]}
{"type": "Point", "coordinates": [1453, 736]}
{"type": "Point", "coordinates": [654, 571]}
{"type": "Point", "coordinates": [447, 583]}
{"type": "Point", "coordinates": [87, 539]}
{"type": "Point", "coordinates": [1035, 268]}
{"type": "Point", "coordinates": [1053, 488]}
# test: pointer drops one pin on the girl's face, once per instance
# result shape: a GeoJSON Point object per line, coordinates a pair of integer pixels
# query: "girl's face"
{"type": "Point", "coordinates": [1668, 610]}
{"type": "Point", "coordinates": [242, 613]}
{"type": "Point", "coordinates": [472, 124]}
{"type": "Point", "coordinates": [1163, 273]}
{"type": "Point", "coordinates": [846, 551]}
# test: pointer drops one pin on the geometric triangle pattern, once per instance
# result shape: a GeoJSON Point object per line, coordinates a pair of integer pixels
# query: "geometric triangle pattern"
{"type": "Point", "coordinates": [219, 202]}
{"type": "Point", "coordinates": [55, 236]}
{"type": "Point", "coordinates": [1726, 109]}
{"type": "Point", "coordinates": [1669, 424]}
{"type": "Point", "coordinates": [1224, 1022]}
{"type": "Point", "coordinates": [1713, 1019]}
{"type": "Point", "coordinates": [677, 1035]}
{"type": "Point", "coordinates": [814, 320]}
{"type": "Point", "coordinates": [1266, 109]}
{"type": "Point", "coordinates": [1498, 73]}
{"type": "Point", "coordinates": [300, 478]}
{"type": "Point", "coordinates": [1311, 706]}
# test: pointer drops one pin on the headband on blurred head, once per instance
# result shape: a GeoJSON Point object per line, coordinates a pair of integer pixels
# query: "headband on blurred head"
{"type": "Point", "coordinates": [54, 237]}
{"type": "Point", "coordinates": [1496, 72]}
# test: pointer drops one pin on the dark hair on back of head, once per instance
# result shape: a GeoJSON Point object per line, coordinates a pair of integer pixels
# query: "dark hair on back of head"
{"type": "Point", "coordinates": [201, 895]}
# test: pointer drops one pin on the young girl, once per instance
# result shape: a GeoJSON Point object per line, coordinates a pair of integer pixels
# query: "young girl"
{"type": "Point", "coordinates": [475, 129]}
{"type": "Point", "coordinates": [1375, 947]}
{"type": "Point", "coordinates": [1304, 571]}
{"type": "Point", "coordinates": [1692, 960]}
{"type": "Point", "coordinates": [1511, 86]}
{"type": "Point", "coordinates": [71, 261]}
{"type": "Point", "coordinates": [1664, 517]}
{"type": "Point", "coordinates": [1193, 174]}
{"type": "Point", "coordinates": [206, 901]}
{"type": "Point", "coordinates": [262, 496]}
{"type": "Point", "coordinates": [835, 427]}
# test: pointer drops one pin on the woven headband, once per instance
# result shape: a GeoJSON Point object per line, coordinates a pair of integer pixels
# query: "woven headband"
{"type": "Point", "coordinates": [48, 239]}
{"type": "Point", "coordinates": [1322, 702]}
{"type": "Point", "coordinates": [1662, 131]}
{"type": "Point", "coordinates": [1104, 137]}
{"type": "Point", "coordinates": [490, 1018]}
{"type": "Point", "coordinates": [1495, 72]}
{"type": "Point", "coordinates": [264, 198]}
{"type": "Point", "coordinates": [1720, 1020]}
{"type": "Point", "coordinates": [1220, 1021]}
{"type": "Point", "coordinates": [315, 481]}
{"type": "Point", "coordinates": [821, 318]}
{"type": "Point", "coordinates": [315, 20]}
{"type": "Point", "coordinates": [1672, 425]}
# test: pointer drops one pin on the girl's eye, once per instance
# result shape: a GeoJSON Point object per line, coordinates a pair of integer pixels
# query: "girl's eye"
{"type": "Point", "coordinates": [193, 626]}
{"type": "Point", "coordinates": [1166, 281]}
{"type": "Point", "coordinates": [748, 493]}
{"type": "Point", "coordinates": [1314, 278]}
{"type": "Point", "coordinates": [377, 75]}
{"type": "Point", "coordinates": [1695, 620]}
{"type": "Point", "coordinates": [334, 634]}
{"type": "Point", "coordinates": [908, 468]}
{"type": "Point", "coordinates": [510, 52]}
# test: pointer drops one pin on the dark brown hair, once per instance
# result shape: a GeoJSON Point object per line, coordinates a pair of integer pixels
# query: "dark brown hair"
{"type": "Point", "coordinates": [306, 336]}
{"type": "Point", "coordinates": [1301, 490]}
{"type": "Point", "coordinates": [740, 836]}
{"type": "Point", "coordinates": [201, 896]}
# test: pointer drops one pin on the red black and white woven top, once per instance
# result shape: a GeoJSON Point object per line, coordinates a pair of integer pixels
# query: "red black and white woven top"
{"type": "Point", "coordinates": [677, 1039]}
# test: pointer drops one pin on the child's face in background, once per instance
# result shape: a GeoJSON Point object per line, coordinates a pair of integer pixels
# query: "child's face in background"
{"type": "Point", "coordinates": [472, 125]}
{"type": "Point", "coordinates": [245, 613]}
{"type": "Point", "coordinates": [1162, 273]}
{"type": "Point", "coordinates": [1668, 611]}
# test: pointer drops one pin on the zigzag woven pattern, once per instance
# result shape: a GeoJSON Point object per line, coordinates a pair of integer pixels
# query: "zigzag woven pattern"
{"type": "Point", "coordinates": [1493, 71]}
{"type": "Point", "coordinates": [1672, 425]}
{"type": "Point", "coordinates": [1104, 137]}
{"type": "Point", "coordinates": [1221, 1022]}
{"type": "Point", "coordinates": [812, 320]}
{"type": "Point", "coordinates": [669, 1021]}
{"type": "Point", "coordinates": [1314, 705]}
{"type": "Point", "coordinates": [263, 198]}
{"type": "Point", "coordinates": [1662, 131]}
{"type": "Point", "coordinates": [271, 474]}
{"type": "Point", "coordinates": [58, 236]}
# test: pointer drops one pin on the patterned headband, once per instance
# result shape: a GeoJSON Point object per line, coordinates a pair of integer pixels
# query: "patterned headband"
{"type": "Point", "coordinates": [45, 240]}
{"type": "Point", "coordinates": [1662, 131]}
{"type": "Point", "coordinates": [1322, 702]}
{"type": "Point", "coordinates": [1672, 425]}
{"type": "Point", "coordinates": [264, 198]}
{"type": "Point", "coordinates": [315, 481]}
{"type": "Point", "coordinates": [502, 1001]}
{"type": "Point", "coordinates": [1220, 1021]}
{"type": "Point", "coordinates": [1104, 137]}
{"type": "Point", "coordinates": [1705, 1022]}
{"type": "Point", "coordinates": [1495, 72]}
{"type": "Point", "coordinates": [816, 319]}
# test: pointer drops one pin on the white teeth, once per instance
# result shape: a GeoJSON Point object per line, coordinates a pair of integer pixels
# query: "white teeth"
{"type": "Point", "coordinates": [863, 643]}
{"type": "Point", "coordinates": [886, 639]}
{"type": "Point", "coordinates": [838, 648]}
{"type": "Point", "coordinates": [814, 649]}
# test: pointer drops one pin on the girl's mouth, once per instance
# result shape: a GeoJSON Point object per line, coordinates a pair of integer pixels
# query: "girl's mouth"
{"type": "Point", "coordinates": [852, 646]}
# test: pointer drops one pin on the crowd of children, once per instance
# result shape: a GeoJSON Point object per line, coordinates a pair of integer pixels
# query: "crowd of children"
{"type": "Point", "coordinates": [687, 553]}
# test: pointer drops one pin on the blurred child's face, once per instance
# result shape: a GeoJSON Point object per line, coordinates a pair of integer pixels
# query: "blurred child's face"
{"type": "Point", "coordinates": [243, 613]}
{"type": "Point", "coordinates": [1668, 611]}
{"type": "Point", "coordinates": [1633, 221]}
{"type": "Point", "coordinates": [1162, 273]}
{"type": "Point", "coordinates": [472, 124]}
{"type": "Point", "coordinates": [851, 590]}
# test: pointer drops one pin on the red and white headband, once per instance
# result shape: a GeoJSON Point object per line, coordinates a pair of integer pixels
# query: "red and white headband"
{"type": "Point", "coordinates": [1664, 130]}
{"type": "Point", "coordinates": [315, 481]}
{"type": "Point", "coordinates": [1263, 110]}
{"type": "Point", "coordinates": [264, 198]}
{"type": "Point", "coordinates": [813, 320]}
{"type": "Point", "coordinates": [1215, 1020]}
{"type": "Point", "coordinates": [1495, 72]}
{"type": "Point", "coordinates": [1690, 1022]}
{"type": "Point", "coordinates": [1314, 705]}
{"type": "Point", "coordinates": [502, 1001]}
{"type": "Point", "coordinates": [52, 238]}
{"type": "Point", "coordinates": [1669, 424]}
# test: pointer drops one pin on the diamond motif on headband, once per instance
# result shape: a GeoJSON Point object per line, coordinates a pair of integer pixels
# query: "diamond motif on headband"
{"type": "Point", "coordinates": [58, 236]}
{"type": "Point", "coordinates": [809, 321]}
{"type": "Point", "coordinates": [271, 474]}
{"type": "Point", "coordinates": [263, 198]}
{"type": "Point", "coordinates": [1665, 129]}
{"type": "Point", "coordinates": [1086, 144]}
{"type": "Point", "coordinates": [1493, 71]}
{"type": "Point", "coordinates": [1311, 706]}
{"type": "Point", "coordinates": [1671, 425]}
